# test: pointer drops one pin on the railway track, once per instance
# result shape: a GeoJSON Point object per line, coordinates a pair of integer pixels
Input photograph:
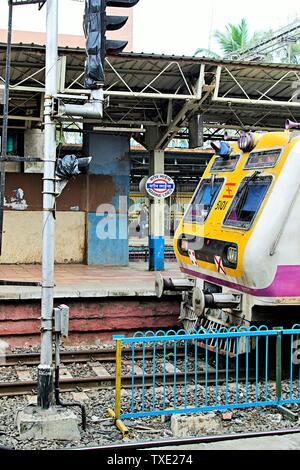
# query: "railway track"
{"type": "Point", "coordinates": [106, 382]}
{"type": "Point", "coordinates": [101, 363]}
{"type": "Point", "coordinates": [83, 356]}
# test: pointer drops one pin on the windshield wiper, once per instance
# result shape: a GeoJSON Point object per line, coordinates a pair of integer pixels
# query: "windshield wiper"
{"type": "Point", "coordinates": [247, 182]}
{"type": "Point", "coordinates": [242, 193]}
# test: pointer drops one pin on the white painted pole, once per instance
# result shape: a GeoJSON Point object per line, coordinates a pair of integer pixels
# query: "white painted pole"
{"type": "Point", "coordinates": [45, 371]}
{"type": "Point", "coordinates": [157, 218]}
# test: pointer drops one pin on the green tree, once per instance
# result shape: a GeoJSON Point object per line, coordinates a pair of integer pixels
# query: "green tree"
{"type": "Point", "coordinates": [234, 38]}
{"type": "Point", "coordinates": [291, 54]}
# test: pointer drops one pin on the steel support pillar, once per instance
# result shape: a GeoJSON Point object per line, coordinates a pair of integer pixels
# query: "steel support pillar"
{"type": "Point", "coordinates": [3, 149]}
{"type": "Point", "coordinates": [156, 218]}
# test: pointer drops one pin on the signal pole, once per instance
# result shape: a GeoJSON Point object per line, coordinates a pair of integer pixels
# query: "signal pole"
{"type": "Point", "coordinates": [45, 371]}
{"type": "Point", "coordinates": [49, 421]}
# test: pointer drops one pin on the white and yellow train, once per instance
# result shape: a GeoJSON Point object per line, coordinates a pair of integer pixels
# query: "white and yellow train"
{"type": "Point", "coordinates": [239, 241]}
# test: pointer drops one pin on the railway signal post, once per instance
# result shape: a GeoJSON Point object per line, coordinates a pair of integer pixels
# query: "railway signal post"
{"type": "Point", "coordinates": [47, 421]}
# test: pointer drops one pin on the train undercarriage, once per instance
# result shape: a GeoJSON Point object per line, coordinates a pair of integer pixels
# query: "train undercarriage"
{"type": "Point", "coordinates": [209, 307]}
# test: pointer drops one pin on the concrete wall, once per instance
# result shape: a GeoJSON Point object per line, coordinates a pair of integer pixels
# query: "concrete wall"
{"type": "Point", "coordinates": [91, 212]}
{"type": "Point", "coordinates": [91, 320]}
{"type": "Point", "coordinates": [92, 220]}
{"type": "Point", "coordinates": [22, 240]}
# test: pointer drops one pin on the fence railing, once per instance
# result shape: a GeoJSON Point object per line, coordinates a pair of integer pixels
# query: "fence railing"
{"type": "Point", "coordinates": [179, 372]}
{"type": "Point", "coordinates": [288, 352]}
{"type": "Point", "coordinates": [141, 253]}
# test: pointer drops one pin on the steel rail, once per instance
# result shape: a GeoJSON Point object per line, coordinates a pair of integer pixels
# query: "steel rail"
{"type": "Point", "coordinates": [67, 357]}
{"type": "Point", "coordinates": [190, 441]}
{"type": "Point", "coordinates": [178, 442]}
{"type": "Point", "coordinates": [105, 382]}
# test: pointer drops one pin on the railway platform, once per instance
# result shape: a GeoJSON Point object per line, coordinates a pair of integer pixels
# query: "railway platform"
{"type": "Point", "coordinates": [103, 301]}
{"type": "Point", "coordinates": [79, 280]}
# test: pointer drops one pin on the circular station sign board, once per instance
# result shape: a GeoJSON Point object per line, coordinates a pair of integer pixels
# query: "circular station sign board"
{"type": "Point", "coordinates": [160, 186]}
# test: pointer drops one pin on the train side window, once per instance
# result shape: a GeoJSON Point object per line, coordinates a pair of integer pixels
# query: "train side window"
{"type": "Point", "coordinates": [222, 164]}
{"type": "Point", "coordinates": [204, 200]}
{"type": "Point", "coordinates": [263, 159]}
{"type": "Point", "coordinates": [247, 202]}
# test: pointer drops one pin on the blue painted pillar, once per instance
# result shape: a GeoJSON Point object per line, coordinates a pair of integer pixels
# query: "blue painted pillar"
{"type": "Point", "coordinates": [108, 190]}
{"type": "Point", "coordinates": [156, 218]}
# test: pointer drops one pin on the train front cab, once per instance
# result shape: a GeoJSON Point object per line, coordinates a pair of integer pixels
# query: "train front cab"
{"type": "Point", "coordinates": [212, 239]}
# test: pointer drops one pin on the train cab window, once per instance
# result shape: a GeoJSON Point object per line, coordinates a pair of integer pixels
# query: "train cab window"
{"type": "Point", "coordinates": [222, 164]}
{"type": "Point", "coordinates": [204, 200]}
{"type": "Point", "coordinates": [263, 159]}
{"type": "Point", "coordinates": [248, 201]}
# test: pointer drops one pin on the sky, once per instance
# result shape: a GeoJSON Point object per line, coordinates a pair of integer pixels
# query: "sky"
{"type": "Point", "coordinates": [169, 26]}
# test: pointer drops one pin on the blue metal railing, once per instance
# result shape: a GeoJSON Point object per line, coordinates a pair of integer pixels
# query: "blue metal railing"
{"type": "Point", "coordinates": [290, 393]}
{"type": "Point", "coordinates": [199, 371]}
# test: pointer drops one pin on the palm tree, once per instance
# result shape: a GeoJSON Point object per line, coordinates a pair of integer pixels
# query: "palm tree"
{"type": "Point", "coordinates": [234, 38]}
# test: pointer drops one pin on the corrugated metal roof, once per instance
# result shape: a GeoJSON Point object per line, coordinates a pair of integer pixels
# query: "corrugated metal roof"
{"type": "Point", "coordinates": [166, 57]}
{"type": "Point", "coordinates": [139, 69]}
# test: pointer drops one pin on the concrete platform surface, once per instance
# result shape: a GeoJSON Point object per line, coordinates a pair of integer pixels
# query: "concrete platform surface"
{"type": "Point", "coordinates": [78, 280]}
{"type": "Point", "coordinates": [284, 442]}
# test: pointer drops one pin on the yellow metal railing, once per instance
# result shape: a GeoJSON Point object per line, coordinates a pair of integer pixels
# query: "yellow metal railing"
{"type": "Point", "coordinates": [115, 414]}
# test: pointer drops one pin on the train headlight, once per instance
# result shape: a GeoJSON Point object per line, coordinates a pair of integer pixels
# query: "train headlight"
{"type": "Point", "coordinates": [232, 254]}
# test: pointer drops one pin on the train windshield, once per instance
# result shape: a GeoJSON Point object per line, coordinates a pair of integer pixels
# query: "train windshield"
{"type": "Point", "coordinates": [247, 202]}
{"type": "Point", "coordinates": [203, 200]}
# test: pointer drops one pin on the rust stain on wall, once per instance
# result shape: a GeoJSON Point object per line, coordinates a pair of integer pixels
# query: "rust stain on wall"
{"type": "Point", "coordinates": [74, 196]}
{"type": "Point", "coordinates": [83, 193]}
{"type": "Point", "coordinates": [101, 191]}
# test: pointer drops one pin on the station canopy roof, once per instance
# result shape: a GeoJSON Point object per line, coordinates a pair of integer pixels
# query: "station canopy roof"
{"type": "Point", "coordinates": [161, 92]}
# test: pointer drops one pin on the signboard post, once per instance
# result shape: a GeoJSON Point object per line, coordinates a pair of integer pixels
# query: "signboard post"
{"type": "Point", "coordinates": [158, 187]}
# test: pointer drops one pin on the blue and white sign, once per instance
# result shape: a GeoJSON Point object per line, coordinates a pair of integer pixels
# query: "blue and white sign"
{"type": "Point", "coordinates": [160, 186]}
